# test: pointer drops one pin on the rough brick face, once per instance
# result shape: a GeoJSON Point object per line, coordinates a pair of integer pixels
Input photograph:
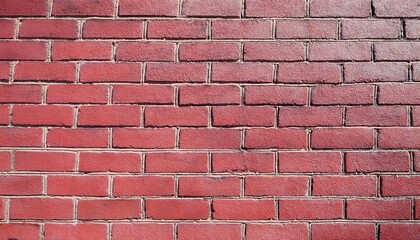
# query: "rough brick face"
{"type": "Point", "coordinates": [97, 231]}
{"type": "Point", "coordinates": [275, 8]}
{"type": "Point", "coordinates": [43, 28]}
{"type": "Point", "coordinates": [210, 119]}
{"type": "Point", "coordinates": [147, 231]}
{"type": "Point", "coordinates": [268, 231]}
{"type": "Point", "coordinates": [113, 29]}
{"type": "Point", "coordinates": [340, 8]}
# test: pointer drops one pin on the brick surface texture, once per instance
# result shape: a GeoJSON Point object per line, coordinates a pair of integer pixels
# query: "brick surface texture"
{"type": "Point", "coordinates": [210, 119]}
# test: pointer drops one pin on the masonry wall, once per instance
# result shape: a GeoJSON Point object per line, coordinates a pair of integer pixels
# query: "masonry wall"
{"type": "Point", "coordinates": [210, 119]}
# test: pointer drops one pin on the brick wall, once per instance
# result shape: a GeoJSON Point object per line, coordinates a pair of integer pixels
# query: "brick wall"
{"type": "Point", "coordinates": [210, 119]}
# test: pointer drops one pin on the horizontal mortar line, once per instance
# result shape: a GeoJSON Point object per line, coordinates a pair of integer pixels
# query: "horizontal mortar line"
{"type": "Point", "coordinates": [209, 198]}
{"type": "Point", "coordinates": [140, 17]}
{"type": "Point", "coordinates": [217, 221]}
{"type": "Point", "coordinates": [209, 174]}
{"type": "Point", "coordinates": [35, 149]}
{"type": "Point", "coordinates": [294, 40]}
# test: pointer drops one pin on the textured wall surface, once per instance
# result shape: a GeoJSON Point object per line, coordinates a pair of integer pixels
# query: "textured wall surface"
{"type": "Point", "coordinates": [210, 119]}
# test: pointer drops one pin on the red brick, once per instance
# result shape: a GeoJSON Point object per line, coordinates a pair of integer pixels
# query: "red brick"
{"type": "Point", "coordinates": [275, 8]}
{"type": "Point", "coordinates": [209, 95]}
{"type": "Point", "coordinates": [342, 138]}
{"type": "Point", "coordinates": [275, 138]}
{"type": "Point", "coordinates": [377, 162]}
{"type": "Point", "coordinates": [111, 209]}
{"type": "Point", "coordinates": [5, 161]}
{"type": "Point", "coordinates": [22, 8]}
{"type": "Point", "coordinates": [20, 185]}
{"type": "Point", "coordinates": [2, 209]}
{"type": "Point", "coordinates": [309, 116]}
{"type": "Point", "coordinates": [20, 137]}
{"type": "Point", "coordinates": [20, 230]}
{"type": "Point", "coordinates": [305, 209]}
{"type": "Point", "coordinates": [4, 114]}
{"type": "Point", "coordinates": [243, 72]}
{"type": "Point", "coordinates": [276, 185]}
{"type": "Point", "coordinates": [110, 72]}
{"type": "Point", "coordinates": [399, 231]}
{"type": "Point", "coordinates": [210, 138]}
{"type": "Point", "coordinates": [4, 70]}
{"type": "Point", "coordinates": [20, 93]}
{"type": "Point", "coordinates": [339, 51]}
{"type": "Point", "coordinates": [145, 231]}
{"type": "Point", "coordinates": [109, 162]}
{"type": "Point", "coordinates": [415, 111]}
{"type": "Point", "coordinates": [243, 209]}
{"type": "Point", "coordinates": [145, 51]}
{"type": "Point", "coordinates": [60, 185]}
{"type": "Point", "coordinates": [275, 95]}
{"type": "Point", "coordinates": [48, 28]}
{"type": "Point", "coordinates": [378, 209]}
{"type": "Point", "coordinates": [375, 72]}
{"type": "Point", "coordinates": [344, 231]}
{"type": "Point", "coordinates": [412, 29]}
{"type": "Point", "coordinates": [177, 29]}
{"type": "Point", "coordinates": [109, 116]}
{"type": "Point", "coordinates": [397, 186]}
{"type": "Point", "coordinates": [75, 231]}
{"type": "Point", "coordinates": [143, 186]}
{"type": "Point", "coordinates": [23, 50]}
{"type": "Point", "coordinates": [396, 8]}
{"type": "Point", "coordinates": [397, 51]}
{"type": "Point", "coordinates": [417, 209]}
{"type": "Point", "coordinates": [145, 94]}
{"type": "Point", "coordinates": [288, 231]}
{"type": "Point", "coordinates": [344, 185]}
{"type": "Point", "coordinates": [274, 51]}
{"type": "Point", "coordinates": [83, 8]}
{"type": "Point", "coordinates": [376, 116]}
{"type": "Point", "coordinates": [45, 161]}
{"type": "Point", "coordinates": [176, 162]}
{"type": "Point", "coordinates": [243, 116]}
{"type": "Point", "coordinates": [417, 161]}
{"type": "Point", "coordinates": [395, 138]}
{"type": "Point", "coordinates": [342, 94]}
{"type": "Point", "coordinates": [77, 93]}
{"type": "Point", "coordinates": [209, 231]}
{"type": "Point", "coordinates": [46, 115]}
{"type": "Point", "coordinates": [85, 50]}
{"type": "Point", "coordinates": [315, 29]}
{"type": "Point", "coordinates": [84, 138]}
{"type": "Point", "coordinates": [299, 162]}
{"type": "Point", "coordinates": [105, 29]}
{"type": "Point", "coordinates": [144, 138]}
{"type": "Point", "coordinates": [186, 209]}
{"type": "Point", "coordinates": [176, 72]}
{"type": "Point", "coordinates": [148, 8]}
{"type": "Point", "coordinates": [209, 186]}
{"type": "Point", "coordinates": [340, 8]}
{"type": "Point", "coordinates": [243, 162]}
{"type": "Point", "coordinates": [41, 208]}
{"type": "Point", "coordinates": [241, 29]}
{"type": "Point", "coordinates": [416, 72]}
{"type": "Point", "coordinates": [7, 28]}
{"type": "Point", "coordinates": [176, 116]}
{"type": "Point", "coordinates": [42, 71]}
{"type": "Point", "coordinates": [209, 51]}
{"type": "Point", "coordinates": [211, 8]}
{"type": "Point", "coordinates": [399, 94]}
{"type": "Point", "coordinates": [309, 73]}
{"type": "Point", "coordinates": [360, 29]}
